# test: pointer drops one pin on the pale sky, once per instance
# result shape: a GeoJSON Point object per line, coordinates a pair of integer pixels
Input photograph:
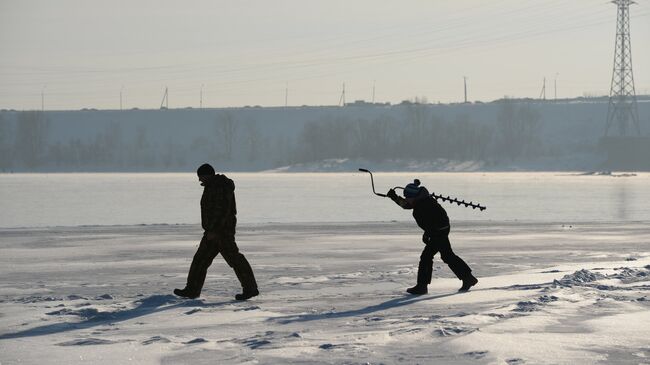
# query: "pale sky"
{"type": "Point", "coordinates": [81, 53]}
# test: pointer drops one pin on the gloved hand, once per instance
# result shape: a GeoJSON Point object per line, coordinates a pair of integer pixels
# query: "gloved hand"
{"type": "Point", "coordinates": [426, 239]}
{"type": "Point", "coordinates": [392, 194]}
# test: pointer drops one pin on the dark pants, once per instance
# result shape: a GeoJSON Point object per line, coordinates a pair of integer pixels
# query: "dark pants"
{"type": "Point", "coordinates": [440, 243]}
{"type": "Point", "coordinates": [208, 250]}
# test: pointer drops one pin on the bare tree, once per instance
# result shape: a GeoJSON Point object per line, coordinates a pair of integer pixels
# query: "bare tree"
{"type": "Point", "coordinates": [226, 129]}
{"type": "Point", "coordinates": [31, 138]}
{"type": "Point", "coordinates": [372, 139]}
{"type": "Point", "coordinates": [6, 153]}
{"type": "Point", "coordinates": [172, 155]}
{"type": "Point", "coordinates": [143, 155]}
{"type": "Point", "coordinates": [417, 131]}
{"type": "Point", "coordinates": [325, 138]}
{"type": "Point", "coordinates": [253, 141]}
{"type": "Point", "coordinates": [518, 128]}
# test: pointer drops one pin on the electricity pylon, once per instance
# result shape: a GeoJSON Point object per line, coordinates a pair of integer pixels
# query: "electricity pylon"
{"type": "Point", "coordinates": [622, 109]}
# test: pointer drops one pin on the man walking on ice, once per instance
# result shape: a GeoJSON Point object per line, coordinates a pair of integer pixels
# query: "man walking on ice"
{"type": "Point", "coordinates": [218, 218]}
{"type": "Point", "coordinates": [432, 218]}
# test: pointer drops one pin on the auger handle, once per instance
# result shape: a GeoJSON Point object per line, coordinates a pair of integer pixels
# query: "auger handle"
{"type": "Point", "coordinates": [372, 181]}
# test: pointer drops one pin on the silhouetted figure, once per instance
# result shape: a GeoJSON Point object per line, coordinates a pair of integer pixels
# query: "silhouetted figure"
{"type": "Point", "coordinates": [432, 218]}
{"type": "Point", "coordinates": [218, 218]}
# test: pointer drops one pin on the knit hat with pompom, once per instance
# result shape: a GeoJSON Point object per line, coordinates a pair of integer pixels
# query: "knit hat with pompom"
{"type": "Point", "coordinates": [414, 189]}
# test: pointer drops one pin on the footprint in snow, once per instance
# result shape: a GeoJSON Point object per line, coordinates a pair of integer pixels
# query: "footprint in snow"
{"type": "Point", "coordinates": [515, 361]}
{"type": "Point", "coordinates": [196, 340]}
{"type": "Point", "coordinates": [101, 331]}
{"type": "Point", "coordinates": [258, 341]}
{"type": "Point", "coordinates": [86, 342]}
{"type": "Point", "coordinates": [76, 297]}
{"type": "Point", "coordinates": [527, 306]}
{"type": "Point", "coordinates": [155, 339]}
{"type": "Point", "coordinates": [547, 298]}
{"type": "Point", "coordinates": [251, 308]}
{"type": "Point", "coordinates": [86, 313]}
{"type": "Point", "coordinates": [453, 331]}
{"type": "Point", "coordinates": [403, 331]}
{"type": "Point", "coordinates": [476, 354]}
{"type": "Point", "coordinates": [373, 319]}
{"type": "Point", "coordinates": [254, 344]}
{"type": "Point", "coordinates": [37, 299]}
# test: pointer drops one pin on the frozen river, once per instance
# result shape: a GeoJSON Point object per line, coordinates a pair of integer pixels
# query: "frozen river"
{"type": "Point", "coordinates": [40, 200]}
{"type": "Point", "coordinates": [563, 264]}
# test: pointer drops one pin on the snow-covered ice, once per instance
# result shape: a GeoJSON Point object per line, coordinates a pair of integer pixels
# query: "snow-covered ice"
{"type": "Point", "coordinates": [330, 293]}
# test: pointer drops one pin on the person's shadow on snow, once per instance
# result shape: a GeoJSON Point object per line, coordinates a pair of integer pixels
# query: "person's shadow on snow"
{"type": "Point", "coordinates": [94, 318]}
{"type": "Point", "coordinates": [393, 303]}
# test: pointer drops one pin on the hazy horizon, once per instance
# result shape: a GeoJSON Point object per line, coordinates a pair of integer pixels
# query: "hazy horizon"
{"type": "Point", "coordinates": [83, 54]}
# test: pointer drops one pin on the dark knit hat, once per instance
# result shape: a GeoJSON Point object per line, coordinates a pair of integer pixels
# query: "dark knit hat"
{"type": "Point", "coordinates": [414, 190]}
{"type": "Point", "coordinates": [204, 170]}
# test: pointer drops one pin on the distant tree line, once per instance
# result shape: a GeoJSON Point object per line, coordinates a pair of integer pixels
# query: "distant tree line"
{"type": "Point", "coordinates": [418, 134]}
{"type": "Point", "coordinates": [421, 135]}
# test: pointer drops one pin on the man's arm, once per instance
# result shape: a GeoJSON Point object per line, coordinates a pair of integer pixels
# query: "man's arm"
{"type": "Point", "coordinates": [398, 199]}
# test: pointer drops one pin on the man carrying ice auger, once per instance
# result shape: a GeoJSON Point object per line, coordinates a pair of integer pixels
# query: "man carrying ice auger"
{"type": "Point", "coordinates": [432, 218]}
{"type": "Point", "coordinates": [218, 218]}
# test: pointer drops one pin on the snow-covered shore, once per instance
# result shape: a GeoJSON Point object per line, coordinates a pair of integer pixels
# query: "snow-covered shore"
{"type": "Point", "coordinates": [569, 164]}
{"type": "Point", "coordinates": [331, 293]}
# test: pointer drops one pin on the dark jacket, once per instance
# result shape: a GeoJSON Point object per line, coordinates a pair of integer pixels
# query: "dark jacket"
{"type": "Point", "coordinates": [218, 207]}
{"type": "Point", "coordinates": [428, 214]}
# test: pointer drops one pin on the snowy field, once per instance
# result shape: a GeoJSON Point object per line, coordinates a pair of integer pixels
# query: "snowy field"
{"type": "Point", "coordinates": [330, 293]}
{"type": "Point", "coordinates": [88, 263]}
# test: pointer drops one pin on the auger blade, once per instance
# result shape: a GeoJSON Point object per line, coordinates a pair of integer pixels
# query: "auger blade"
{"type": "Point", "coordinates": [458, 202]}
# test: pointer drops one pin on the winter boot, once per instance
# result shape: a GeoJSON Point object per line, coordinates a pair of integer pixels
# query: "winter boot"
{"type": "Point", "coordinates": [417, 290]}
{"type": "Point", "coordinates": [186, 293]}
{"type": "Point", "coordinates": [247, 294]}
{"type": "Point", "coordinates": [468, 282]}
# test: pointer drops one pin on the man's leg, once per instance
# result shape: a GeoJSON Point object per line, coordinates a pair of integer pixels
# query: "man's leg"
{"type": "Point", "coordinates": [240, 265]}
{"type": "Point", "coordinates": [202, 260]}
{"type": "Point", "coordinates": [455, 263]}
{"type": "Point", "coordinates": [425, 270]}
{"type": "Point", "coordinates": [425, 267]}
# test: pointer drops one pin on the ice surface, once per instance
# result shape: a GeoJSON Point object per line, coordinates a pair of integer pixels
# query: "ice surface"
{"type": "Point", "coordinates": [38, 200]}
{"type": "Point", "coordinates": [330, 293]}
